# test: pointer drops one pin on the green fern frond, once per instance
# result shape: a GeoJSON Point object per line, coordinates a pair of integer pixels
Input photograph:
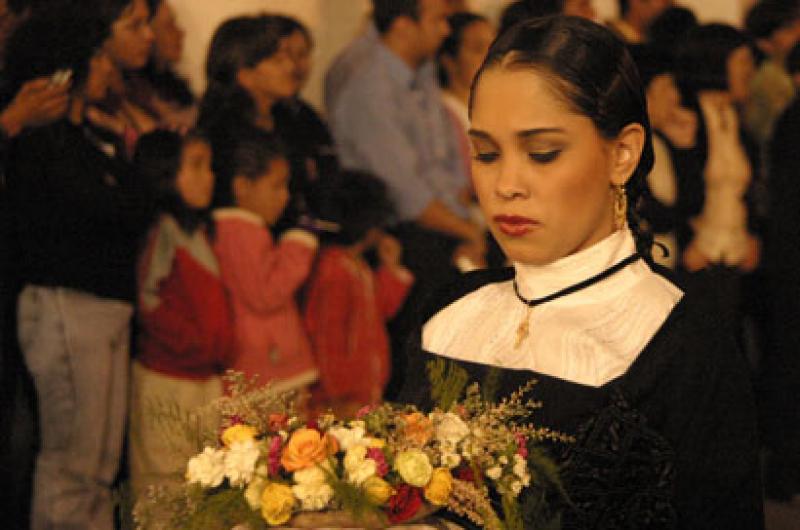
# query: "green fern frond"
{"type": "Point", "coordinates": [448, 381]}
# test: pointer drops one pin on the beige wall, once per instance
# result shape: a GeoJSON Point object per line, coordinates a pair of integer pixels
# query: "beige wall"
{"type": "Point", "coordinates": [335, 22]}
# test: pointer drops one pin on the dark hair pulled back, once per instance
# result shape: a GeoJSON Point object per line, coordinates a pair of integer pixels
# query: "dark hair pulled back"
{"type": "Point", "coordinates": [596, 76]}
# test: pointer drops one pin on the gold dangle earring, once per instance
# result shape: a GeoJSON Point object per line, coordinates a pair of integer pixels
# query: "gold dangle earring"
{"type": "Point", "coordinates": [620, 207]}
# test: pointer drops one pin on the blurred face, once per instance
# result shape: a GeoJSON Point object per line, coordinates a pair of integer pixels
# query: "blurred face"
{"type": "Point", "coordinates": [741, 68]}
{"type": "Point", "coordinates": [785, 37]}
{"type": "Point", "coordinates": [131, 37]}
{"type": "Point", "coordinates": [267, 195]}
{"type": "Point", "coordinates": [475, 42]}
{"type": "Point", "coordinates": [273, 78]}
{"type": "Point", "coordinates": [663, 98]}
{"type": "Point", "coordinates": [98, 80]}
{"type": "Point", "coordinates": [195, 179]}
{"type": "Point", "coordinates": [432, 27]}
{"type": "Point", "coordinates": [648, 10]}
{"type": "Point", "coordinates": [168, 43]}
{"type": "Point", "coordinates": [580, 8]}
{"type": "Point", "coordinates": [299, 50]}
{"type": "Point", "coordinates": [542, 172]}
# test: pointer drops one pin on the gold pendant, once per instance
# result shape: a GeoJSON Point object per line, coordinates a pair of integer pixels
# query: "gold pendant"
{"type": "Point", "coordinates": [524, 328]}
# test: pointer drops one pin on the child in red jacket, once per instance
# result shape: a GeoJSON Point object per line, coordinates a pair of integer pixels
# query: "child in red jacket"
{"type": "Point", "coordinates": [185, 338]}
{"type": "Point", "coordinates": [261, 275]}
{"type": "Point", "coordinates": [348, 303]}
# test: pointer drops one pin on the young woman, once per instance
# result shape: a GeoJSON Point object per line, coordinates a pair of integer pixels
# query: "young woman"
{"type": "Point", "coordinates": [79, 214]}
{"type": "Point", "coordinates": [655, 393]}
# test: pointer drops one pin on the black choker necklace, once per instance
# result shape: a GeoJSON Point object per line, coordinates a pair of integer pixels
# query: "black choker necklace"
{"type": "Point", "coordinates": [523, 329]}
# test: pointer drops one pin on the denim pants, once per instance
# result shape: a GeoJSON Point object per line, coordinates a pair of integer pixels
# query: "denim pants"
{"type": "Point", "coordinates": [76, 347]}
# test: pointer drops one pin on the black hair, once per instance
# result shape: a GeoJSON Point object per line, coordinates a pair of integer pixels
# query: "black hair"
{"type": "Point", "coordinates": [701, 61]}
{"type": "Point", "coordinates": [157, 162]}
{"type": "Point", "coordinates": [385, 12]}
{"type": "Point", "coordinates": [248, 152]}
{"type": "Point", "coordinates": [240, 42]}
{"type": "Point", "coordinates": [651, 61]}
{"type": "Point", "coordinates": [624, 7]}
{"type": "Point", "coordinates": [595, 74]}
{"type": "Point", "coordinates": [670, 27]}
{"type": "Point", "coordinates": [153, 6]}
{"type": "Point", "coordinates": [291, 25]}
{"type": "Point", "coordinates": [768, 16]}
{"type": "Point", "coordinates": [110, 10]}
{"type": "Point", "coordinates": [356, 200]}
{"type": "Point", "coordinates": [63, 37]}
{"type": "Point", "coordinates": [459, 22]}
{"type": "Point", "coordinates": [524, 9]}
{"type": "Point", "coordinates": [793, 60]}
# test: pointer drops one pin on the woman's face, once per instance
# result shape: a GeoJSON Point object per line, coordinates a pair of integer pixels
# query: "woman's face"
{"type": "Point", "coordinates": [273, 78]}
{"type": "Point", "coordinates": [98, 80]}
{"type": "Point", "coordinates": [741, 68]}
{"type": "Point", "coordinates": [195, 179]}
{"type": "Point", "coordinates": [299, 49]}
{"type": "Point", "coordinates": [131, 37]}
{"type": "Point", "coordinates": [475, 42]}
{"type": "Point", "coordinates": [663, 97]}
{"type": "Point", "coordinates": [168, 44]}
{"type": "Point", "coordinates": [542, 172]}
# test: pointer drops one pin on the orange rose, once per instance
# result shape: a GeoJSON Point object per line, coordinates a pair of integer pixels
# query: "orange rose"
{"type": "Point", "coordinates": [418, 429]}
{"type": "Point", "coordinates": [306, 448]}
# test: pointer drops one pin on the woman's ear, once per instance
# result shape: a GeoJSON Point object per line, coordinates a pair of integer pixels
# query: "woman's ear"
{"type": "Point", "coordinates": [244, 76]}
{"type": "Point", "coordinates": [627, 152]}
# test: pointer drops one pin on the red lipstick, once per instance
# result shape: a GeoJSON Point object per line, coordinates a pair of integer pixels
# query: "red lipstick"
{"type": "Point", "coordinates": [515, 225]}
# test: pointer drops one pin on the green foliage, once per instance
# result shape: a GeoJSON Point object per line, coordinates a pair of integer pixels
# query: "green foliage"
{"type": "Point", "coordinates": [512, 513]}
{"type": "Point", "coordinates": [448, 381]}
{"type": "Point", "coordinates": [353, 499]}
{"type": "Point", "coordinates": [222, 510]}
{"type": "Point", "coordinates": [491, 384]}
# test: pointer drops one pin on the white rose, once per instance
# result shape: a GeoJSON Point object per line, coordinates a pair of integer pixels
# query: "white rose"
{"type": "Point", "coordinates": [240, 462]}
{"type": "Point", "coordinates": [520, 467]}
{"type": "Point", "coordinates": [503, 459]}
{"type": "Point", "coordinates": [313, 497]}
{"type": "Point", "coordinates": [357, 466]}
{"type": "Point", "coordinates": [310, 476]}
{"type": "Point", "coordinates": [450, 428]}
{"type": "Point", "coordinates": [494, 473]}
{"type": "Point", "coordinates": [207, 468]}
{"type": "Point", "coordinates": [349, 437]}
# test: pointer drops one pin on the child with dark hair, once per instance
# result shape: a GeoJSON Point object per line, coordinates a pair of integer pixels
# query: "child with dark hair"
{"type": "Point", "coordinates": [262, 276]}
{"type": "Point", "coordinates": [185, 336]}
{"type": "Point", "coordinates": [347, 302]}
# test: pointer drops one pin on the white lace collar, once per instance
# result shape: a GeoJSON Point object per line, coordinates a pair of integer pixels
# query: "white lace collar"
{"type": "Point", "coordinates": [588, 337]}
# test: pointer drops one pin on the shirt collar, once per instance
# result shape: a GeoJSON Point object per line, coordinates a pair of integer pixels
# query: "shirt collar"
{"type": "Point", "coordinates": [399, 70]}
{"type": "Point", "coordinates": [537, 281]}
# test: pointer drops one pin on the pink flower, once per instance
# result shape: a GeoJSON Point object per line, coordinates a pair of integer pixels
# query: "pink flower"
{"type": "Point", "coordinates": [522, 445]}
{"type": "Point", "coordinates": [275, 455]}
{"type": "Point", "coordinates": [382, 468]}
{"type": "Point", "coordinates": [363, 411]}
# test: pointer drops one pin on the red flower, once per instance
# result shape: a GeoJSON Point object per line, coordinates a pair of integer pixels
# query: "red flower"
{"type": "Point", "coordinates": [522, 445]}
{"type": "Point", "coordinates": [277, 422]}
{"type": "Point", "coordinates": [377, 455]}
{"type": "Point", "coordinates": [313, 424]}
{"type": "Point", "coordinates": [363, 411]}
{"type": "Point", "coordinates": [465, 473]}
{"type": "Point", "coordinates": [404, 504]}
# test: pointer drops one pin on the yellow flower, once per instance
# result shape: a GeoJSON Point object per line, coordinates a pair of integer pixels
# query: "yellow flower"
{"type": "Point", "coordinates": [378, 490]}
{"type": "Point", "coordinates": [438, 489]}
{"type": "Point", "coordinates": [306, 448]}
{"type": "Point", "coordinates": [238, 433]}
{"type": "Point", "coordinates": [277, 503]}
{"type": "Point", "coordinates": [414, 467]}
{"type": "Point", "coordinates": [376, 443]}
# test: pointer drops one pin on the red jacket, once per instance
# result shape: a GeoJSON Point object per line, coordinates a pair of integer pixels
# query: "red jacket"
{"type": "Point", "coordinates": [263, 279]}
{"type": "Point", "coordinates": [346, 311]}
{"type": "Point", "coordinates": [185, 327]}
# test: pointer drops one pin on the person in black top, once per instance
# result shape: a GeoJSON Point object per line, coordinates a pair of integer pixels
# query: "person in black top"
{"type": "Point", "coordinates": [79, 214]}
{"type": "Point", "coordinates": [780, 374]}
{"type": "Point", "coordinates": [653, 389]}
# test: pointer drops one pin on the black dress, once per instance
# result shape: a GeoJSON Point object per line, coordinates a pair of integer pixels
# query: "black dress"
{"type": "Point", "coordinates": [670, 444]}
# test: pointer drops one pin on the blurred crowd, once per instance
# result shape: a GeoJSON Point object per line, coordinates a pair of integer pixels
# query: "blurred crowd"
{"type": "Point", "coordinates": [154, 238]}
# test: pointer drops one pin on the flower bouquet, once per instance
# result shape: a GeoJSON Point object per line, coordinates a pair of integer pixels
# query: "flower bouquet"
{"type": "Point", "coordinates": [388, 465]}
